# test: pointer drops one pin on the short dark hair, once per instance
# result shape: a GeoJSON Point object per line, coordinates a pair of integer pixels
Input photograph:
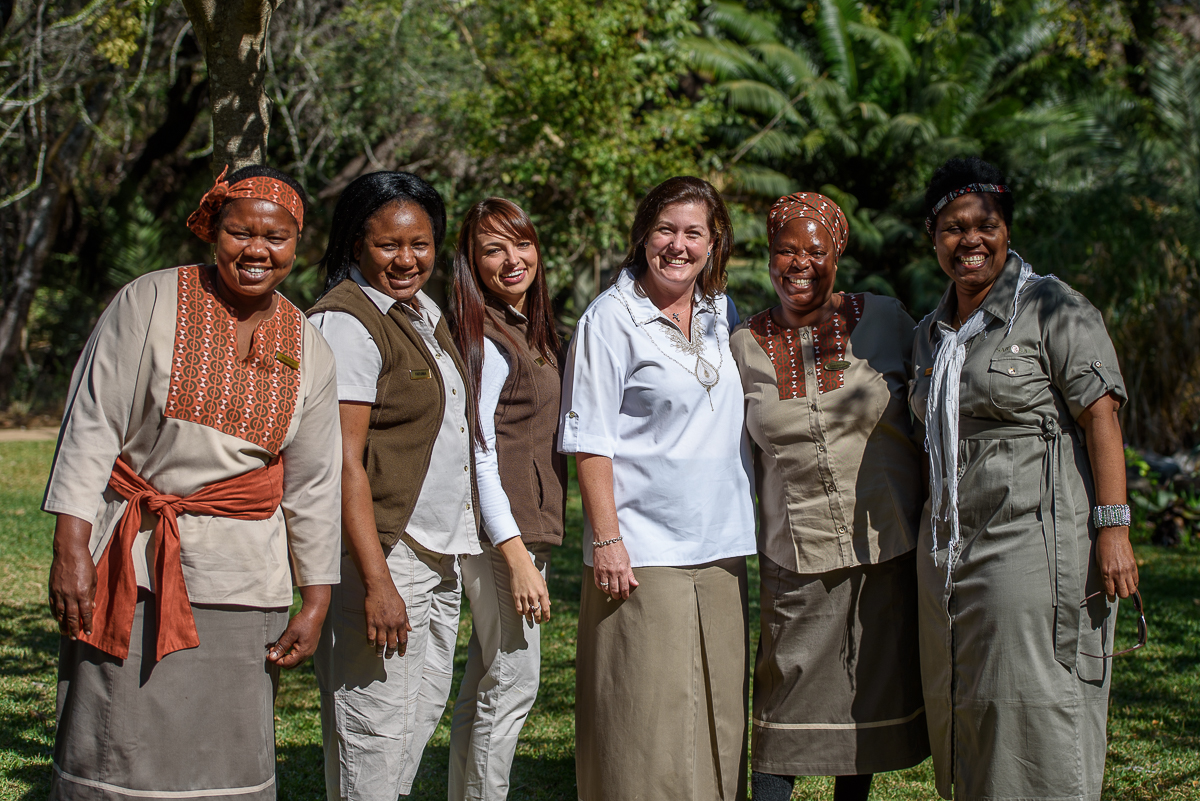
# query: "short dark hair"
{"type": "Point", "coordinates": [366, 195]}
{"type": "Point", "coordinates": [957, 173]}
{"type": "Point", "coordinates": [262, 170]}
{"type": "Point", "coordinates": [683, 189]}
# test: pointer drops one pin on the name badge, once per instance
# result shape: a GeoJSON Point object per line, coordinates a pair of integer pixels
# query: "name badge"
{"type": "Point", "coordinates": [416, 375]}
{"type": "Point", "coordinates": [539, 361]}
{"type": "Point", "coordinates": [835, 366]}
{"type": "Point", "coordinates": [284, 359]}
{"type": "Point", "coordinates": [928, 371]}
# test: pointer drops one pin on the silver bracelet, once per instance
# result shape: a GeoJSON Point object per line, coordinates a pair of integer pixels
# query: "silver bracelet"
{"type": "Point", "coordinates": [602, 543]}
{"type": "Point", "coordinates": [1110, 516]}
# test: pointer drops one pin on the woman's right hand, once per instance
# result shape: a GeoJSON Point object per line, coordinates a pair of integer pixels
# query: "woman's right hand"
{"type": "Point", "coordinates": [387, 619]}
{"type": "Point", "coordinates": [72, 577]}
{"type": "Point", "coordinates": [614, 575]}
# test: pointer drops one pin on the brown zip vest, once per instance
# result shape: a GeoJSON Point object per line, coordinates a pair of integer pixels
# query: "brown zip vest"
{"type": "Point", "coordinates": [410, 400]}
{"type": "Point", "coordinates": [532, 471]}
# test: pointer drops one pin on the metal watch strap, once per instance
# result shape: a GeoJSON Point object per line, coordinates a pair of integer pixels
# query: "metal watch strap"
{"type": "Point", "coordinates": [1110, 516]}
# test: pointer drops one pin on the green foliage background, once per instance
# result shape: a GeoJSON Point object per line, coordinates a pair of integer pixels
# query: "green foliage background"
{"type": "Point", "coordinates": [574, 109]}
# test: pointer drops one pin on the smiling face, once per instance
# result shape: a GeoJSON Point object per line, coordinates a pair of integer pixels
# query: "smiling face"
{"type": "Point", "coordinates": [803, 267]}
{"type": "Point", "coordinates": [396, 252]}
{"type": "Point", "coordinates": [677, 248]}
{"type": "Point", "coordinates": [506, 267]}
{"type": "Point", "coordinates": [256, 248]}
{"type": "Point", "coordinates": [971, 238]}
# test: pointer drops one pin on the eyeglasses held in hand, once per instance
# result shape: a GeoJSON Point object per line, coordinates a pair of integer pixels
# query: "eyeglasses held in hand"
{"type": "Point", "coordinates": [1137, 604]}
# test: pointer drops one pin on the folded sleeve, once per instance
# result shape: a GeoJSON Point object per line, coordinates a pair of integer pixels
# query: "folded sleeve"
{"type": "Point", "coordinates": [498, 521]}
{"type": "Point", "coordinates": [356, 354]}
{"type": "Point", "coordinates": [593, 388]}
{"type": "Point", "coordinates": [1079, 352]}
{"type": "Point", "coordinates": [99, 405]}
{"type": "Point", "coordinates": [312, 478]}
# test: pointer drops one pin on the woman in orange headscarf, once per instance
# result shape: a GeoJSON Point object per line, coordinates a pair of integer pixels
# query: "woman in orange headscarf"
{"type": "Point", "coordinates": [195, 482]}
{"type": "Point", "coordinates": [837, 681]}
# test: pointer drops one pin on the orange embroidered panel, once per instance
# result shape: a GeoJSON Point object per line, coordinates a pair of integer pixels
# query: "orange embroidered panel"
{"type": "Point", "coordinates": [829, 339]}
{"type": "Point", "coordinates": [253, 399]}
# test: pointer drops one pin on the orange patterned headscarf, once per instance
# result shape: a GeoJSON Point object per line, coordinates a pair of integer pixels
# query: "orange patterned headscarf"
{"type": "Point", "coordinates": [813, 206]}
{"type": "Point", "coordinates": [203, 221]}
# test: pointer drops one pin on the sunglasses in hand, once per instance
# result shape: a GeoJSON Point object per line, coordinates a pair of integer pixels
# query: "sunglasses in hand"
{"type": "Point", "coordinates": [1137, 604]}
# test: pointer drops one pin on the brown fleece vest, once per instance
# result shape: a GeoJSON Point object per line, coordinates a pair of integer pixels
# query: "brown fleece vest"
{"type": "Point", "coordinates": [410, 399]}
{"type": "Point", "coordinates": [532, 471]}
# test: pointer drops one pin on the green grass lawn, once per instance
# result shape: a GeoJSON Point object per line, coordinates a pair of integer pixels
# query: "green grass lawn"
{"type": "Point", "coordinates": [1154, 721]}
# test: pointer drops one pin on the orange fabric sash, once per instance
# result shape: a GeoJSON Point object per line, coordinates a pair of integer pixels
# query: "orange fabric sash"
{"type": "Point", "coordinates": [251, 496]}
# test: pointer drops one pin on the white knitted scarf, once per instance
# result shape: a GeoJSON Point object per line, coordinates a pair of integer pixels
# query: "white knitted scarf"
{"type": "Point", "coordinates": [942, 413]}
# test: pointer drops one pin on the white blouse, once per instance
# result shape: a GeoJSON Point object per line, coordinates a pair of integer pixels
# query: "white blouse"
{"type": "Point", "coordinates": [498, 521]}
{"type": "Point", "coordinates": [681, 458]}
{"type": "Point", "coordinates": [442, 520]}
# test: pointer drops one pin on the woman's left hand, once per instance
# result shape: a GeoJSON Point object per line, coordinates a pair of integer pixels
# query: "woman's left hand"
{"type": "Point", "coordinates": [1114, 557]}
{"type": "Point", "coordinates": [1106, 452]}
{"type": "Point", "coordinates": [299, 640]}
{"type": "Point", "coordinates": [530, 595]}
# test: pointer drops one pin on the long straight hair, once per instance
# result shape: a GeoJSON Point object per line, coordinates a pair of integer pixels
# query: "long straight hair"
{"type": "Point", "coordinates": [503, 218]}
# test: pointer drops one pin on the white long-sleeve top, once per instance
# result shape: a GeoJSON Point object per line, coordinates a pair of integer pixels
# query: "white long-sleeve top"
{"type": "Point", "coordinates": [498, 521]}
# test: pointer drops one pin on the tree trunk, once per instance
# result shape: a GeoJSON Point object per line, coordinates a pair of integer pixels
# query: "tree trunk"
{"type": "Point", "coordinates": [233, 38]}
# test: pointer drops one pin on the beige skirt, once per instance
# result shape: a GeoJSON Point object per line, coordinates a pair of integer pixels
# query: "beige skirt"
{"type": "Point", "coordinates": [660, 686]}
{"type": "Point", "coordinates": [198, 725]}
{"type": "Point", "coordinates": [837, 679]}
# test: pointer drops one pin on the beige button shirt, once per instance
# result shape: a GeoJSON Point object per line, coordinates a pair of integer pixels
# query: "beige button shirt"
{"type": "Point", "coordinates": [836, 463]}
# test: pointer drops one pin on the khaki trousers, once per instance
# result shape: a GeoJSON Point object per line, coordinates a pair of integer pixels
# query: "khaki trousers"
{"type": "Point", "coordinates": [504, 660]}
{"type": "Point", "coordinates": [377, 714]}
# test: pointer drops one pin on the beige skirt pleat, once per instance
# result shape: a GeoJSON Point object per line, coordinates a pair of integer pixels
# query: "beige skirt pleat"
{"type": "Point", "coordinates": [661, 686]}
{"type": "Point", "coordinates": [196, 726]}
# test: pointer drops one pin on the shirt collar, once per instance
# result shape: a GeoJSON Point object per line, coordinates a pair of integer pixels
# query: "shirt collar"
{"type": "Point", "coordinates": [643, 310]}
{"type": "Point", "coordinates": [495, 302]}
{"type": "Point", "coordinates": [432, 314]}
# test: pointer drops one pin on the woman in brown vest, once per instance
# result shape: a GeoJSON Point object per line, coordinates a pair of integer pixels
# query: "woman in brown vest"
{"type": "Point", "coordinates": [409, 512]}
{"type": "Point", "coordinates": [504, 328]}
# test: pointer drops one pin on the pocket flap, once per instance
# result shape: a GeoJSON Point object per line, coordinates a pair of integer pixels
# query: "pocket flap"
{"type": "Point", "coordinates": [1011, 365]}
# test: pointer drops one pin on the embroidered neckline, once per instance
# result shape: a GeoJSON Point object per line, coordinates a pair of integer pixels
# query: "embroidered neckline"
{"type": "Point", "coordinates": [252, 399]}
{"type": "Point", "coordinates": [829, 340]}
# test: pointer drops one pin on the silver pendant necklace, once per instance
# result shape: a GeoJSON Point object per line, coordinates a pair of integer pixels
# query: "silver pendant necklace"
{"type": "Point", "coordinates": [705, 372]}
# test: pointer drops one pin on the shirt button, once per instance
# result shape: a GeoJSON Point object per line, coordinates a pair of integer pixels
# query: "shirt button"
{"type": "Point", "coordinates": [1015, 349]}
{"type": "Point", "coordinates": [841, 529]}
{"type": "Point", "coordinates": [1097, 363]}
{"type": "Point", "coordinates": [1012, 371]}
{"type": "Point", "coordinates": [812, 406]}
{"type": "Point", "coordinates": [829, 487]}
{"type": "Point", "coordinates": [468, 506]}
{"type": "Point", "coordinates": [820, 449]}
{"type": "Point", "coordinates": [454, 392]}
{"type": "Point", "coordinates": [809, 371]}
{"type": "Point", "coordinates": [466, 468]}
{"type": "Point", "coordinates": [461, 429]}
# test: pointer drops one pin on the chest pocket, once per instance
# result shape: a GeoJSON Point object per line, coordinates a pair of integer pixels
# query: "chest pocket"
{"type": "Point", "coordinates": [1014, 381]}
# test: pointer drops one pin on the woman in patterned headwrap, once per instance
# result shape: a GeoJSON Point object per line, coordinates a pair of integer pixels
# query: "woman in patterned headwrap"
{"type": "Point", "coordinates": [837, 688]}
{"type": "Point", "coordinates": [195, 481]}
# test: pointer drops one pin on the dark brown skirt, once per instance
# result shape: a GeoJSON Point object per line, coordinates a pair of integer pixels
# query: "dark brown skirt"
{"type": "Point", "coordinates": [198, 725]}
{"type": "Point", "coordinates": [837, 680]}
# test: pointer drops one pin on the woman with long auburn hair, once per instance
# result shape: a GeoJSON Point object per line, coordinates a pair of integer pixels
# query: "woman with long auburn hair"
{"type": "Point", "coordinates": [504, 328]}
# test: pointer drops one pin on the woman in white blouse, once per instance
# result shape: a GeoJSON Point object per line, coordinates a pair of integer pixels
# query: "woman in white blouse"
{"type": "Point", "coordinates": [504, 327]}
{"type": "Point", "coordinates": [409, 509]}
{"type": "Point", "coordinates": [653, 409]}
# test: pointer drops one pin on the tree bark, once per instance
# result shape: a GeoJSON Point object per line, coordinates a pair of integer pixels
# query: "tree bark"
{"type": "Point", "coordinates": [233, 38]}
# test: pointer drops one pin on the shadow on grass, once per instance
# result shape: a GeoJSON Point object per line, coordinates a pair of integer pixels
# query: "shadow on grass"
{"type": "Point", "coordinates": [28, 662]}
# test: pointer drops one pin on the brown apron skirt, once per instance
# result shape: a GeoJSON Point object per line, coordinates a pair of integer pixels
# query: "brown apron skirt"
{"type": "Point", "coordinates": [837, 679]}
{"type": "Point", "coordinates": [199, 725]}
{"type": "Point", "coordinates": [660, 686]}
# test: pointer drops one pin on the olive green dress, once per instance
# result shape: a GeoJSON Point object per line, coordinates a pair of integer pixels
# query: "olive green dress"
{"type": "Point", "coordinates": [1015, 711]}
